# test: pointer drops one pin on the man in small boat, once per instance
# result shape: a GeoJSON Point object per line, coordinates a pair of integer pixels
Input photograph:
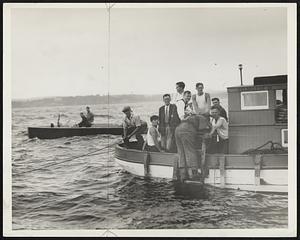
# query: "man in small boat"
{"type": "Point", "coordinates": [84, 122]}
{"type": "Point", "coordinates": [184, 106]}
{"type": "Point", "coordinates": [168, 121]}
{"type": "Point", "coordinates": [201, 101]}
{"type": "Point", "coordinates": [186, 135]}
{"type": "Point", "coordinates": [89, 115]}
{"type": "Point", "coordinates": [216, 102]}
{"type": "Point", "coordinates": [133, 125]}
{"type": "Point", "coordinates": [179, 92]}
{"type": "Point", "coordinates": [219, 129]}
{"type": "Point", "coordinates": [153, 136]}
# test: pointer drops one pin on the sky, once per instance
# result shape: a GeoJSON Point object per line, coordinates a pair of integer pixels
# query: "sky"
{"type": "Point", "coordinates": [64, 51]}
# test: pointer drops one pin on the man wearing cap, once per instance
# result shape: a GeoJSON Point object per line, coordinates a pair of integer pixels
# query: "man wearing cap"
{"type": "Point", "coordinates": [133, 125]}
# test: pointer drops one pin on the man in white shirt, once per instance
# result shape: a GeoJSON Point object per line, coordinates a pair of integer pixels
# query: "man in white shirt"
{"type": "Point", "coordinates": [153, 136]}
{"type": "Point", "coordinates": [179, 92]}
{"type": "Point", "coordinates": [219, 132]}
{"type": "Point", "coordinates": [184, 108]}
{"type": "Point", "coordinates": [133, 125]}
{"type": "Point", "coordinates": [201, 101]}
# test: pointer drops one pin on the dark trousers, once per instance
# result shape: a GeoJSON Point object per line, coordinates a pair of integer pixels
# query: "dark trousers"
{"type": "Point", "coordinates": [84, 124]}
{"type": "Point", "coordinates": [168, 139]}
{"type": "Point", "coordinates": [138, 135]}
{"type": "Point", "coordinates": [218, 147]}
{"type": "Point", "coordinates": [151, 148]}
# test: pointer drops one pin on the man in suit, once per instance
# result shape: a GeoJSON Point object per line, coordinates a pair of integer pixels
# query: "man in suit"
{"type": "Point", "coordinates": [168, 121]}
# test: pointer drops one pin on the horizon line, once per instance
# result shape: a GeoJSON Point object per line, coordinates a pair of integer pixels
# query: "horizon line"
{"type": "Point", "coordinates": [101, 95]}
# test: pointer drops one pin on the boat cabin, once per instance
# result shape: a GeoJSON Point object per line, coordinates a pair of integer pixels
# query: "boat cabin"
{"type": "Point", "coordinates": [258, 114]}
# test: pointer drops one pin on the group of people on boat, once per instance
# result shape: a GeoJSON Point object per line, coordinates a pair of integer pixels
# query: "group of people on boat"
{"type": "Point", "coordinates": [182, 123]}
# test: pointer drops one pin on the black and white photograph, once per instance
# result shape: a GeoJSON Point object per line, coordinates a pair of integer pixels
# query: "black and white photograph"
{"type": "Point", "coordinates": [149, 119]}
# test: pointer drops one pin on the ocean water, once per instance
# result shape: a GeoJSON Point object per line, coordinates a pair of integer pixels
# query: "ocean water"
{"type": "Point", "coordinates": [93, 192]}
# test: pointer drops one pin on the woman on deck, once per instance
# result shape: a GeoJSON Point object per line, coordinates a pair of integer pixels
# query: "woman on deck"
{"type": "Point", "coordinates": [186, 135]}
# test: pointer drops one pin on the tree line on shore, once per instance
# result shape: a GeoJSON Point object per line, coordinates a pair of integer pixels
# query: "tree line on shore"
{"type": "Point", "coordinates": [83, 100]}
{"type": "Point", "coordinates": [87, 100]}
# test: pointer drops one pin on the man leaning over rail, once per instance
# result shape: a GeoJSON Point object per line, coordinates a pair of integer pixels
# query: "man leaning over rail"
{"type": "Point", "coordinates": [186, 135]}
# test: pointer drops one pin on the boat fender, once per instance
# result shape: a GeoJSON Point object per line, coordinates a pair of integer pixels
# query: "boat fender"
{"type": "Point", "coordinates": [175, 170]}
{"type": "Point", "coordinates": [257, 167]}
{"type": "Point", "coordinates": [222, 162]}
{"type": "Point", "coordinates": [146, 164]}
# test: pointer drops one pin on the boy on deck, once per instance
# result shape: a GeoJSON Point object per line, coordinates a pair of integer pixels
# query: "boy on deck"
{"type": "Point", "coordinates": [153, 137]}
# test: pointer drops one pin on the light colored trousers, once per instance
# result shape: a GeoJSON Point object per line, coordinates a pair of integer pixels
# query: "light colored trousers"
{"type": "Point", "coordinates": [186, 141]}
{"type": "Point", "coordinates": [167, 140]}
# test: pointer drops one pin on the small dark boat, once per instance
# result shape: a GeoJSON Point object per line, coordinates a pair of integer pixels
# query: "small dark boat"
{"type": "Point", "coordinates": [58, 132]}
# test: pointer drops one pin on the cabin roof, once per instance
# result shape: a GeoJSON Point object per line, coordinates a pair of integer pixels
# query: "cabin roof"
{"type": "Point", "coordinates": [257, 87]}
{"type": "Point", "coordinates": [263, 83]}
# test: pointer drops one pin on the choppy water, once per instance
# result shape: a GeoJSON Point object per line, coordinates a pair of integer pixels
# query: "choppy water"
{"type": "Point", "coordinates": [95, 193]}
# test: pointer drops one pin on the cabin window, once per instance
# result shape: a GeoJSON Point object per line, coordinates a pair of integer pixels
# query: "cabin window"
{"type": "Point", "coordinates": [284, 137]}
{"type": "Point", "coordinates": [254, 100]}
{"type": "Point", "coordinates": [281, 114]}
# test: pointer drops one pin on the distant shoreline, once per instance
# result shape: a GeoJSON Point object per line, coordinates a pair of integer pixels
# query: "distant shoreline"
{"type": "Point", "coordinates": [92, 100]}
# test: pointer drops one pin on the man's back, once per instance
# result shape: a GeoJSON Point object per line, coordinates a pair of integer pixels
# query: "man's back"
{"type": "Point", "coordinates": [90, 117]}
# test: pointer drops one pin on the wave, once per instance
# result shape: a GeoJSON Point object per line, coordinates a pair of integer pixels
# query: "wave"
{"type": "Point", "coordinates": [104, 116]}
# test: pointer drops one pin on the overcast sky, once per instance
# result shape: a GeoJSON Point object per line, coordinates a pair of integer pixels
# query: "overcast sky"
{"type": "Point", "coordinates": [63, 52]}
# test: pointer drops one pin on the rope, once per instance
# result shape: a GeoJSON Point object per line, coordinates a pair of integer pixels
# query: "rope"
{"type": "Point", "coordinates": [108, 7]}
{"type": "Point", "coordinates": [70, 159]}
{"type": "Point", "coordinates": [272, 149]}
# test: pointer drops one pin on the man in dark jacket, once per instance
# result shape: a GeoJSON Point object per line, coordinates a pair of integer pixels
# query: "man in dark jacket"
{"type": "Point", "coordinates": [168, 121]}
{"type": "Point", "coordinates": [216, 103]}
{"type": "Point", "coordinates": [84, 122]}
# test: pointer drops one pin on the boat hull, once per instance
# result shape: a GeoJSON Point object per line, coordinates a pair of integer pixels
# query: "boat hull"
{"type": "Point", "coordinates": [58, 132]}
{"type": "Point", "coordinates": [238, 172]}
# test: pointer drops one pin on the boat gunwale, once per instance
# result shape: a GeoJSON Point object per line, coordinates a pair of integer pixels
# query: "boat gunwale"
{"type": "Point", "coordinates": [64, 128]}
{"type": "Point", "coordinates": [207, 154]}
{"type": "Point", "coordinates": [214, 164]}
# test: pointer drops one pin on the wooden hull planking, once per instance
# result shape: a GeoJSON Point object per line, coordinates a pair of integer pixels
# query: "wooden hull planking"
{"type": "Point", "coordinates": [265, 173]}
